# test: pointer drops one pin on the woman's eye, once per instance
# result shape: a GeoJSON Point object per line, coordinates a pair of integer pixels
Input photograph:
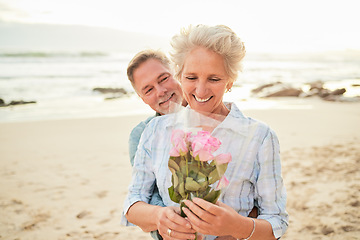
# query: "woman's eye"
{"type": "Point", "coordinates": [191, 78]}
{"type": "Point", "coordinates": [214, 79]}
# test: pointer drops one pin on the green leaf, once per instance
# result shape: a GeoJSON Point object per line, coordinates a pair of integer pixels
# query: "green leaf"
{"type": "Point", "coordinates": [182, 165]}
{"type": "Point", "coordinates": [174, 196]}
{"type": "Point", "coordinates": [201, 177]}
{"type": "Point", "coordinates": [221, 169]}
{"type": "Point", "coordinates": [194, 167]}
{"type": "Point", "coordinates": [212, 196]}
{"type": "Point", "coordinates": [192, 174]}
{"type": "Point", "coordinates": [214, 176]}
{"type": "Point", "coordinates": [207, 169]}
{"type": "Point", "coordinates": [172, 164]}
{"type": "Point", "coordinates": [202, 180]}
{"type": "Point", "coordinates": [182, 205]}
{"type": "Point", "coordinates": [191, 185]}
{"type": "Point", "coordinates": [181, 177]}
{"type": "Point", "coordinates": [175, 179]}
{"type": "Point", "coordinates": [181, 189]}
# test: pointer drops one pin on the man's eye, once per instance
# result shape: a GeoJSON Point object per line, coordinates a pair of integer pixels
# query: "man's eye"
{"type": "Point", "coordinates": [164, 79]}
{"type": "Point", "coordinates": [148, 91]}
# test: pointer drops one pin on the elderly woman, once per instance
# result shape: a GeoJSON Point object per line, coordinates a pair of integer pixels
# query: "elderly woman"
{"type": "Point", "coordinates": [207, 60]}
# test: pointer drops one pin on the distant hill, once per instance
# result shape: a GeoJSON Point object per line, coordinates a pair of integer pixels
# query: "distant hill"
{"type": "Point", "coordinates": [18, 36]}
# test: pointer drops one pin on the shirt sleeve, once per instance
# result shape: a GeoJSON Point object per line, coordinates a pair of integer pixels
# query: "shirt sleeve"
{"type": "Point", "coordinates": [135, 136]}
{"type": "Point", "coordinates": [134, 139]}
{"type": "Point", "coordinates": [143, 178]}
{"type": "Point", "coordinates": [269, 188]}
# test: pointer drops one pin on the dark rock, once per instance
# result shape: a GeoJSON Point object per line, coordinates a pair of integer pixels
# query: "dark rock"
{"type": "Point", "coordinates": [324, 93]}
{"type": "Point", "coordinates": [331, 98]}
{"type": "Point", "coordinates": [319, 85]}
{"type": "Point", "coordinates": [1, 102]}
{"type": "Point", "coordinates": [12, 103]}
{"type": "Point", "coordinates": [339, 91]}
{"type": "Point", "coordinates": [288, 92]}
{"type": "Point", "coordinates": [111, 98]}
{"type": "Point", "coordinates": [262, 87]}
{"type": "Point", "coordinates": [110, 90]}
{"type": "Point", "coordinates": [21, 102]}
{"type": "Point", "coordinates": [310, 93]}
{"type": "Point", "coordinates": [340, 98]}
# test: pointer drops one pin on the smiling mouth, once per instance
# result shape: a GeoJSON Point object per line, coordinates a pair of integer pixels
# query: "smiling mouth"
{"type": "Point", "coordinates": [167, 99]}
{"type": "Point", "coordinates": [202, 100]}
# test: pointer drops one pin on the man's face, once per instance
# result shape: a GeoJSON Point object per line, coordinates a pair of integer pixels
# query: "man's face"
{"type": "Point", "coordinates": [155, 85]}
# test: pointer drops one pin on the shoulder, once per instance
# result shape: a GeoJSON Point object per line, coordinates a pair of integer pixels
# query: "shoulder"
{"type": "Point", "coordinates": [160, 122]}
{"type": "Point", "coordinates": [141, 126]}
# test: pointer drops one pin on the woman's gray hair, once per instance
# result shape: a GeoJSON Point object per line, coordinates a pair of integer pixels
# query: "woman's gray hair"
{"type": "Point", "coordinates": [220, 39]}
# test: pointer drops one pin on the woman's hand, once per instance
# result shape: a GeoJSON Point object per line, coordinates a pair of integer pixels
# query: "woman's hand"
{"type": "Point", "coordinates": [169, 218]}
{"type": "Point", "coordinates": [211, 219]}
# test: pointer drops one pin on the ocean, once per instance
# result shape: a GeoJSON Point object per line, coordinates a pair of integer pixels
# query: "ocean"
{"type": "Point", "coordinates": [62, 82]}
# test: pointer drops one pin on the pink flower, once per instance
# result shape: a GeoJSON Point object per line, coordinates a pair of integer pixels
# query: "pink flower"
{"type": "Point", "coordinates": [223, 182]}
{"type": "Point", "coordinates": [203, 145]}
{"type": "Point", "coordinates": [223, 158]}
{"type": "Point", "coordinates": [179, 141]}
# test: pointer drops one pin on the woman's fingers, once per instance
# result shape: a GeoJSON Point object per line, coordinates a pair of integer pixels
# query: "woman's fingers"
{"type": "Point", "coordinates": [180, 228]}
{"type": "Point", "coordinates": [195, 215]}
{"type": "Point", "coordinates": [208, 206]}
{"type": "Point", "coordinates": [176, 222]}
{"type": "Point", "coordinates": [174, 235]}
{"type": "Point", "coordinates": [202, 209]}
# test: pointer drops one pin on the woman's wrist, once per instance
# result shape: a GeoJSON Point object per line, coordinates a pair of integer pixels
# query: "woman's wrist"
{"type": "Point", "coordinates": [245, 228]}
{"type": "Point", "coordinates": [252, 232]}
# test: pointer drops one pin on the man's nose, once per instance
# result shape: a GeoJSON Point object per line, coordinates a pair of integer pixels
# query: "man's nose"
{"type": "Point", "coordinates": [161, 90]}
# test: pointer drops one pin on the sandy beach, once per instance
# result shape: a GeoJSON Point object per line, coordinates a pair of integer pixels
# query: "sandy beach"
{"type": "Point", "coordinates": [67, 179]}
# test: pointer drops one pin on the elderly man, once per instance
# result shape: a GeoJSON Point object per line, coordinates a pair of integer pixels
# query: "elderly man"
{"type": "Point", "coordinates": [150, 75]}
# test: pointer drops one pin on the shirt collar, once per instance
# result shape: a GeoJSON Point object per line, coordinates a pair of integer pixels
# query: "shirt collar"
{"type": "Point", "coordinates": [234, 121]}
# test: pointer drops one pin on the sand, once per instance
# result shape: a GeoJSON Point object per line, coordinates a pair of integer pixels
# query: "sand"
{"type": "Point", "coordinates": [67, 179]}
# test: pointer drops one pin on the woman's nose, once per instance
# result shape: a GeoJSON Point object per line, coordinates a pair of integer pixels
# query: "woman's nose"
{"type": "Point", "coordinates": [200, 89]}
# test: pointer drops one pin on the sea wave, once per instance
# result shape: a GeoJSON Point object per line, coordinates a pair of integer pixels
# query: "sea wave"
{"type": "Point", "coordinates": [20, 77]}
{"type": "Point", "coordinates": [36, 54]}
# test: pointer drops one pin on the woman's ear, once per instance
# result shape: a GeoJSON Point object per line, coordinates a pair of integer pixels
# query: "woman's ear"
{"type": "Point", "coordinates": [229, 86]}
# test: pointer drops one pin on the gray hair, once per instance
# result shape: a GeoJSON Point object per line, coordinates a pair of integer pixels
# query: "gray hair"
{"type": "Point", "coordinates": [142, 57]}
{"type": "Point", "coordinates": [219, 39]}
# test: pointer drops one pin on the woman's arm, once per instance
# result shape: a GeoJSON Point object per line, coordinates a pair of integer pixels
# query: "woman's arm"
{"type": "Point", "coordinates": [221, 220]}
{"type": "Point", "coordinates": [270, 191]}
{"type": "Point", "coordinates": [149, 218]}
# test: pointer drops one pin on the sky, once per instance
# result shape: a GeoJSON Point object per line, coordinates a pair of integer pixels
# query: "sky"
{"type": "Point", "coordinates": [264, 25]}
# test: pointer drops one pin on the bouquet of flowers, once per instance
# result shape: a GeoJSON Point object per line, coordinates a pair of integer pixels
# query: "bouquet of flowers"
{"type": "Point", "coordinates": [196, 171]}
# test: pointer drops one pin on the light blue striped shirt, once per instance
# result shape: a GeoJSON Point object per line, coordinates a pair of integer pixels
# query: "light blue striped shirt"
{"type": "Point", "coordinates": [254, 172]}
{"type": "Point", "coordinates": [134, 138]}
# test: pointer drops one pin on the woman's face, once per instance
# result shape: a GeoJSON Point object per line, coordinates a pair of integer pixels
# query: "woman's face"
{"type": "Point", "coordinates": [204, 81]}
